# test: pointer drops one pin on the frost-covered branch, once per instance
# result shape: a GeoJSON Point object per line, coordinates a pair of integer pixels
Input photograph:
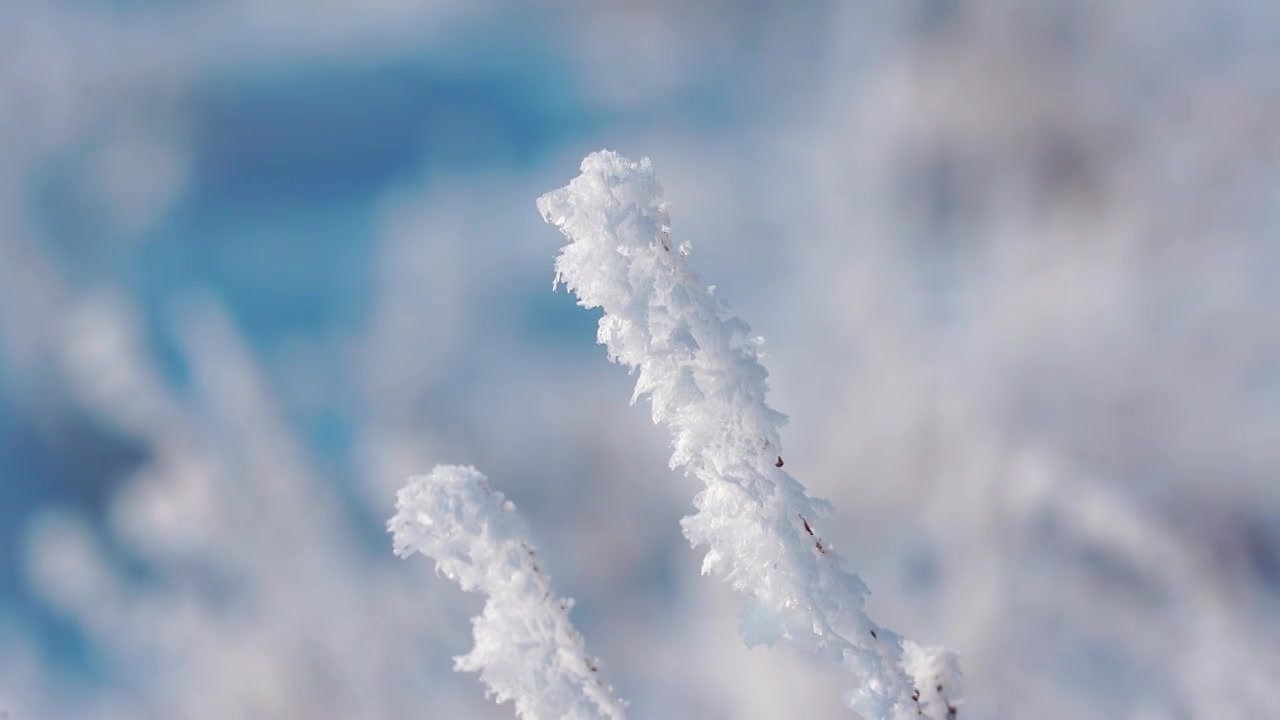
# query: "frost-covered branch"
{"type": "Point", "coordinates": [526, 648]}
{"type": "Point", "coordinates": [700, 367]}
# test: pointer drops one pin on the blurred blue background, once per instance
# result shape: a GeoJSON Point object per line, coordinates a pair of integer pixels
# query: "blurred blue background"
{"type": "Point", "coordinates": [260, 260]}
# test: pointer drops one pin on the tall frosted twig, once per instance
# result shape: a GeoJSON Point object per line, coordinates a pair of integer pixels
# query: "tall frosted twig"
{"type": "Point", "coordinates": [526, 648]}
{"type": "Point", "coordinates": [700, 367]}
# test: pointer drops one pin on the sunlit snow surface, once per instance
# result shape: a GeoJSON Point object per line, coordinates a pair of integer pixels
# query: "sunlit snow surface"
{"type": "Point", "coordinates": [261, 260]}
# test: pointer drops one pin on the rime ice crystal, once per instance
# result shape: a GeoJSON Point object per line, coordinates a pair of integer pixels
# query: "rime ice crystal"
{"type": "Point", "coordinates": [526, 648]}
{"type": "Point", "coordinates": [700, 367]}
{"type": "Point", "coordinates": [936, 672]}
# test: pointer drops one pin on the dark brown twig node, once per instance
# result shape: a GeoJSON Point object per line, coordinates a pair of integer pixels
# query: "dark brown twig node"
{"type": "Point", "coordinates": [806, 524]}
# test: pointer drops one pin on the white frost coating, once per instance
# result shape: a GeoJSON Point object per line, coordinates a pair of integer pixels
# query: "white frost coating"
{"type": "Point", "coordinates": [936, 672]}
{"type": "Point", "coordinates": [700, 366]}
{"type": "Point", "coordinates": [526, 648]}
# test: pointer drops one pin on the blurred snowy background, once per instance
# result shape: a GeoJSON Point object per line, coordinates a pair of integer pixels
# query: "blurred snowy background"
{"type": "Point", "coordinates": [260, 260]}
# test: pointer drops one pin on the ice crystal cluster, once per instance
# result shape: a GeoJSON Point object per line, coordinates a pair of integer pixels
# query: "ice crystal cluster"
{"type": "Point", "coordinates": [526, 648]}
{"type": "Point", "coordinates": [700, 367]}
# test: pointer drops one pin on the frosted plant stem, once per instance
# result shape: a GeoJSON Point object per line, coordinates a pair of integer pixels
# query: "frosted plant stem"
{"type": "Point", "coordinates": [700, 367]}
{"type": "Point", "coordinates": [526, 648]}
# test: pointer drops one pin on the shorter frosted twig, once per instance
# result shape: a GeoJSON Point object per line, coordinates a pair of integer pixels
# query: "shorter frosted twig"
{"type": "Point", "coordinates": [526, 648]}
